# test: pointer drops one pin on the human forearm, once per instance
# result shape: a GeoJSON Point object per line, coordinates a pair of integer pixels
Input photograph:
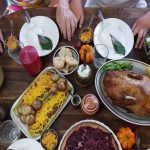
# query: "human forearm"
{"type": "Point", "coordinates": [63, 2]}
{"type": "Point", "coordinates": [76, 2]}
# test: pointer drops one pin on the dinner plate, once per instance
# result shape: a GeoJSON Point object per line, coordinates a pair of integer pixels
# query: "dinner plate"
{"type": "Point", "coordinates": [120, 30]}
{"type": "Point", "coordinates": [26, 144]}
{"type": "Point", "coordinates": [39, 25]}
{"type": "Point", "coordinates": [86, 122]}
{"type": "Point", "coordinates": [139, 67]}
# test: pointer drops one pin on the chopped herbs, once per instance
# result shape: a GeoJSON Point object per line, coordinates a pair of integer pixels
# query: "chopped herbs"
{"type": "Point", "coordinates": [118, 66]}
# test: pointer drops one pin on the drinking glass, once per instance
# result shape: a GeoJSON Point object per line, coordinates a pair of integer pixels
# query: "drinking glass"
{"type": "Point", "coordinates": [31, 60]}
{"type": "Point", "coordinates": [15, 55]}
{"type": "Point", "coordinates": [100, 55]}
{"type": "Point", "coordinates": [9, 132]}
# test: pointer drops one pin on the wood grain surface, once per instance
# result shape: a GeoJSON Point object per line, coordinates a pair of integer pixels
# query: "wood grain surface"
{"type": "Point", "coordinates": [17, 79]}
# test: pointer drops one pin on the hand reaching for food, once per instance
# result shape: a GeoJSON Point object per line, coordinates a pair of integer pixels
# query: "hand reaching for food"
{"type": "Point", "coordinates": [140, 28]}
{"type": "Point", "coordinates": [66, 19]}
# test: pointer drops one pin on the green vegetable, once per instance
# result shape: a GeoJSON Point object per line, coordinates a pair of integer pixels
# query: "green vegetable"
{"type": "Point", "coordinates": [45, 42]}
{"type": "Point", "coordinates": [117, 66]}
{"type": "Point", "coordinates": [47, 2]}
{"type": "Point", "coordinates": [148, 41]}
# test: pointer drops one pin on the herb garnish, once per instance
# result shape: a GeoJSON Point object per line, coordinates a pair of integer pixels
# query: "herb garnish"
{"type": "Point", "coordinates": [45, 42]}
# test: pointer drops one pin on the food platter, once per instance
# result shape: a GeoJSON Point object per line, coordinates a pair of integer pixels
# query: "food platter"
{"type": "Point", "coordinates": [87, 123]}
{"type": "Point", "coordinates": [138, 67]}
{"type": "Point", "coordinates": [47, 99]}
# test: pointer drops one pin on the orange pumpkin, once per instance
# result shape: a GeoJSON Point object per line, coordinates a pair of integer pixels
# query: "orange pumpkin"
{"type": "Point", "coordinates": [126, 137]}
{"type": "Point", "coordinates": [86, 54]}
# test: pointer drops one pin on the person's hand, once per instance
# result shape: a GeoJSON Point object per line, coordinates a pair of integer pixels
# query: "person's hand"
{"type": "Point", "coordinates": [140, 28]}
{"type": "Point", "coordinates": [67, 21]}
{"type": "Point", "coordinates": [1, 41]}
{"type": "Point", "coordinates": [76, 7]}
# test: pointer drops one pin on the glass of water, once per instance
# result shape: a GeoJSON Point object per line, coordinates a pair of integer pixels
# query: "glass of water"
{"type": "Point", "coordinates": [100, 55]}
{"type": "Point", "coordinates": [9, 132]}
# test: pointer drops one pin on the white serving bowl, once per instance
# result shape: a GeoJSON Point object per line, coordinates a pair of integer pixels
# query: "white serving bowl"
{"type": "Point", "coordinates": [75, 55]}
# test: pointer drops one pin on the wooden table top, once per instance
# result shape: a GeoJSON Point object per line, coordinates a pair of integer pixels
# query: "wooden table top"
{"type": "Point", "coordinates": [17, 79]}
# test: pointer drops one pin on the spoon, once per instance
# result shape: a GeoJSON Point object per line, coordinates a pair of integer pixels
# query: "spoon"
{"type": "Point", "coordinates": [91, 20]}
{"type": "Point", "coordinates": [11, 27]}
{"type": "Point", "coordinates": [100, 15]}
{"type": "Point", "coordinates": [27, 16]}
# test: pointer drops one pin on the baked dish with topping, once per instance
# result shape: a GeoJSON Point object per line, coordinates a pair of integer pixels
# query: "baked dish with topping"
{"type": "Point", "coordinates": [89, 135]}
{"type": "Point", "coordinates": [41, 103]}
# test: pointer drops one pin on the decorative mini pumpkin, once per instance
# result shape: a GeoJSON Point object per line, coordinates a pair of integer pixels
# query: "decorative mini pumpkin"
{"type": "Point", "coordinates": [86, 54]}
{"type": "Point", "coordinates": [126, 137]}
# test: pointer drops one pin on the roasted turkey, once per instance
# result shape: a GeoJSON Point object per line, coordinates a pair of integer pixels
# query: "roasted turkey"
{"type": "Point", "coordinates": [129, 90]}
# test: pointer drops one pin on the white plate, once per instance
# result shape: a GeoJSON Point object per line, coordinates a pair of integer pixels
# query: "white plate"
{"type": "Point", "coordinates": [90, 121]}
{"type": "Point", "coordinates": [120, 30]}
{"type": "Point", "coordinates": [23, 127]}
{"type": "Point", "coordinates": [26, 144]}
{"type": "Point", "coordinates": [138, 67]}
{"type": "Point", "coordinates": [39, 25]}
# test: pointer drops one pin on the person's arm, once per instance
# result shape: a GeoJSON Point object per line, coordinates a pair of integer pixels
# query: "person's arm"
{"type": "Point", "coordinates": [66, 19]}
{"type": "Point", "coordinates": [76, 7]}
{"type": "Point", "coordinates": [68, 14]}
{"type": "Point", "coordinates": [140, 28]}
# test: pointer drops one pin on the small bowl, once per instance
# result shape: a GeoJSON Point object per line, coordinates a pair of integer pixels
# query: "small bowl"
{"type": "Point", "coordinates": [88, 40]}
{"type": "Point", "coordinates": [75, 55]}
{"type": "Point", "coordinates": [76, 100]}
{"type": "Point", "coordinates": [52, 131]}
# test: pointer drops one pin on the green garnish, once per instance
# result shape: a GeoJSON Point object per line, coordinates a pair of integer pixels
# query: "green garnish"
{"type": "Point", "coordinates": [117, 66]}
{"type": "Point", "coordinates": [47, 2]}
{"type": "Point", "coordinates": [119, 48]}
{"type": "Point", "coordinates": [45, 42]}
{"type": "Point", "coordinates": [148, 41]}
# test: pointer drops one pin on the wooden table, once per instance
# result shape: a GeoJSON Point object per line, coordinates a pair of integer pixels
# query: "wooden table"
{"type": "Point", "coordinates": [17, 79]}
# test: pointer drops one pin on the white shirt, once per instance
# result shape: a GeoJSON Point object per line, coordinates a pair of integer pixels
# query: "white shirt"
{"type": "Point", "coordinates": [116, 3]}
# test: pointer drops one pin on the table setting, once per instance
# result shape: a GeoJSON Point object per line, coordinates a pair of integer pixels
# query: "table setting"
{"type": "Point", "coordinates": [91, 93]}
